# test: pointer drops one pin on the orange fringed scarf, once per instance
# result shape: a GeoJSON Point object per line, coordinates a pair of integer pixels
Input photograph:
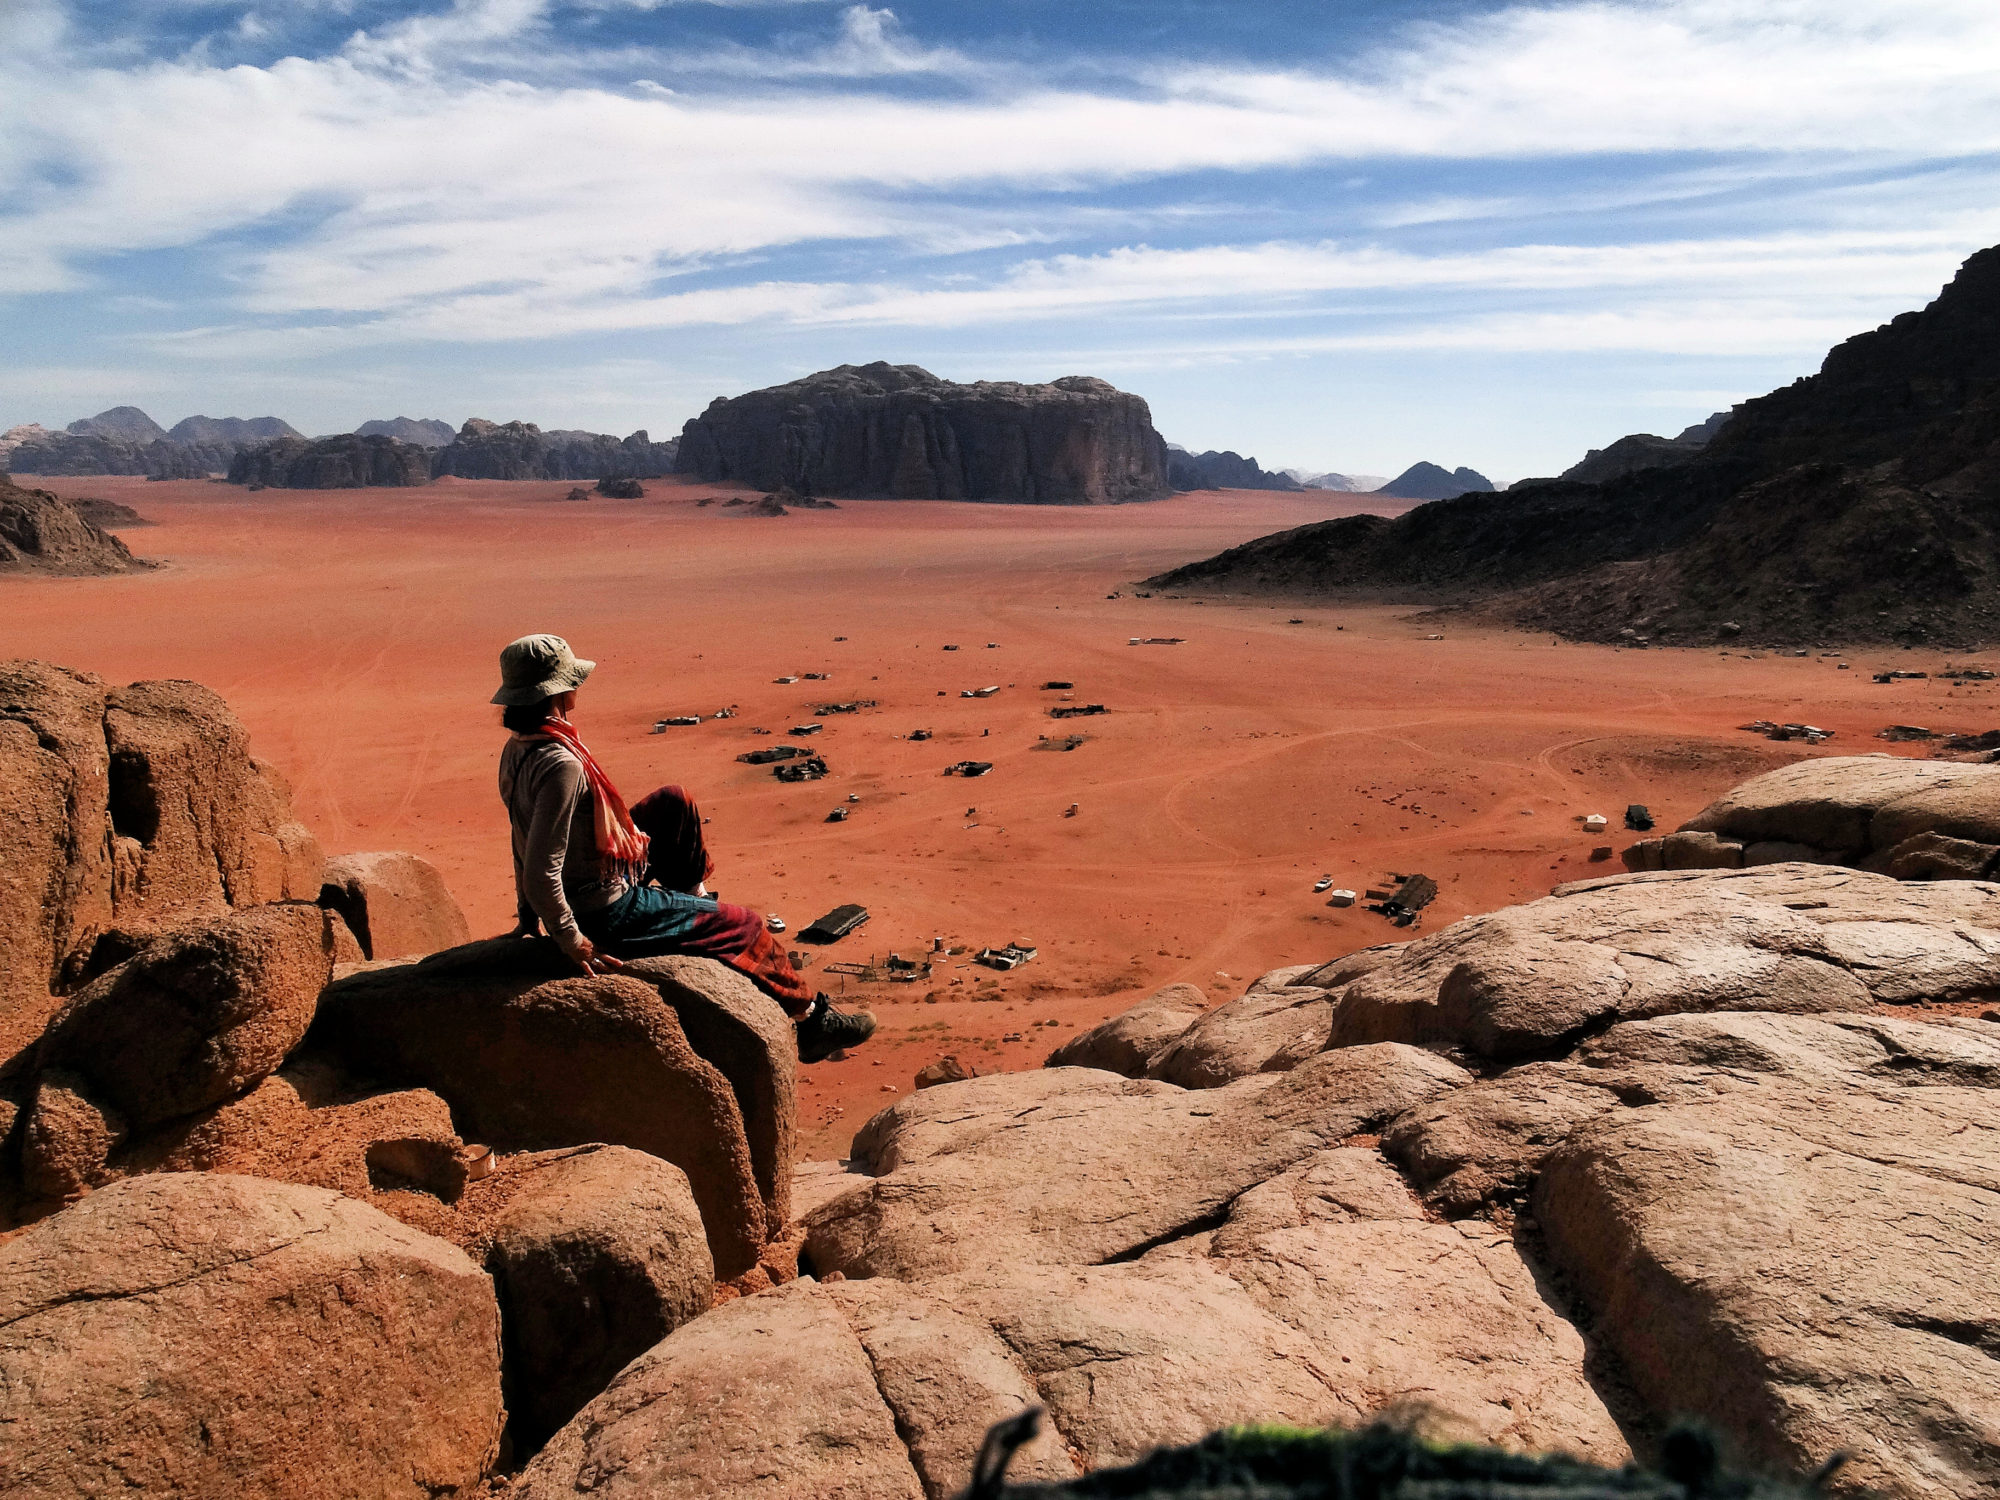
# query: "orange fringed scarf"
{"type": "Point", "coordinates": [619, 841]}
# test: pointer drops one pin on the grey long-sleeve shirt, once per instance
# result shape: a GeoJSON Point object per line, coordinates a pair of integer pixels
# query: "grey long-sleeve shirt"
{"type": "Point", "coordinates": [557, 872]}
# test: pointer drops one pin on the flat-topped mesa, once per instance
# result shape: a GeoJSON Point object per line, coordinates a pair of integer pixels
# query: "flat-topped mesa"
{"type": "Point", "coordinates": [900, 432]}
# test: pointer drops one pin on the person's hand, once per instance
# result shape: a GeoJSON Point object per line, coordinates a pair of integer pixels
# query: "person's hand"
{"type": "Point", "coordinates": [586, 957]}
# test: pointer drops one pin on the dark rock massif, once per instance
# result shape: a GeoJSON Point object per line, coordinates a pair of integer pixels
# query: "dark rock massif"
{"type": "Point", "coordinates": [425, 432]}
{"type": "Point", "coordinates": [1222, 471]}
{"type": "Point", "coordinates": [43, 533]}
{"type": "Point", "coordinates": [1428, 481]}
{"type": "Point", "coordinates": [900, 432]}
{"type": "Point", "coordinates": [345, 462]}
{"type": "Point", "coordinates": [122, 424]}
{"type": "Point", "coordinates": [243, 431]}
{"type": "Point", "coordinates": [521, 450]}
{"type": "Point", "coordinates": [1860, 503]}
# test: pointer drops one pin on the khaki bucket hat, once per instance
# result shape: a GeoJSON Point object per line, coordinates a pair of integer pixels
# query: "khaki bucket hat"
{"type": "Point", "coordinates": [537, 667]}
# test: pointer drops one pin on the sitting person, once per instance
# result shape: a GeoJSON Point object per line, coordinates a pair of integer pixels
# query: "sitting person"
{"type": "Point", "coordinates": [611, 884]}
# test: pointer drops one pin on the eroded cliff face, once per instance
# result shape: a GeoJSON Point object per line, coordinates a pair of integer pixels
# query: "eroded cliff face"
{"type": "Point", "coordinates": [346, 462]}
{"type": "Point", "coordinates": [900, 432]}
{"type": "Point", "coordinates": [40, 532]}
{"type": "Point", "coordinates": [521, 450]}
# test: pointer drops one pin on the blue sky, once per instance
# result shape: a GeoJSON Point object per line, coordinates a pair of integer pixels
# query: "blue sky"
{"type": "Point", "coordinates": [1342, 236]}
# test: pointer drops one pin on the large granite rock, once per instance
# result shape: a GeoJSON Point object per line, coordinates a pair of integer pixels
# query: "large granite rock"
{"type": "Point", "coordinates": [242, 431]}
{"type": "Point", "coordinates": [1324, 1296]}
{"type": "Point", "coordinates": [219, 1336]}
{"type": "Point", "coordinates": [897, 431]}
{"type": "Point", "coordinates": [124, 810]}
{"type": "Point", "coordinates": [1271, 1029]}
{"type": "Point", "coordinates": [521, 450]}
{"type": "Point", "coordinates": [396, 905]}
{"type": "Point", "coordinates": [1533, 980]}
{"type": "Point", "coordinates": [348, 461]}
{"type": "Point", "coordinates": [1065, 1166]}
{"type": "Point", "coordinates": [767, 1398]}
{"type": "Point", "coordinates": [530, 1061]}
{"type": "Point", "coordinates": [1911, 819]}
{"type": "Point", "coordinates": [1126, 1043]}
{"type": "Point", "coordinates": [206, 1011]}
{"type": "Point", "coordinates": [597, 1255]}
{"type": "Point", "coordinates": [1801, 1257]}
{"type": "Point", "coordinates": [42, 533]}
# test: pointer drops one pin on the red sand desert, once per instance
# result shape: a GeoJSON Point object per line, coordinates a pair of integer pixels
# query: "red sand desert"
{"type": "Point", "coordinates": [356, 634]}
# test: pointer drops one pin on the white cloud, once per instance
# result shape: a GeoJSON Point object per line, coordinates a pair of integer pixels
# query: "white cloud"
{"type": "Point", "coordinates": [382, 194]}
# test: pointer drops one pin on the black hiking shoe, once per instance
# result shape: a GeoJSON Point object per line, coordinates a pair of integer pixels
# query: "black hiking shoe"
{"type": "Point", "coordinates": [825, 1032]}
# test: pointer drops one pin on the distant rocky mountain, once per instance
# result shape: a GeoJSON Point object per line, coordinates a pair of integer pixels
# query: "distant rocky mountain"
{"type": "Point", "coordinates": [124, 424]}
{"type": "Point", "coordinates": [1426, 481]}
{"type": "Point", "coordinates": [1861, 503]}
{"type": "Point", "coordinates": [1636, 451]}
{"type": "Point", "coordinates": [13, 437]}
{"type": "Point", "coordinates": [344, 462]}
{"type": "Point", "coordinates": [124, 440]}
{"type": "Point", "coordinates": [89, 453]}
{"type": "Point", "coordinates": [41, 533]}
{"type": "Point", "coordinates": [1221, 471]}
{"type": "Point", "coordinates": [521, 450]}
{"type": "Point", "coordinates": [425, 432]}
{"type": "Point", "coordinates": [206, 431]}
{"type": "Point", "coordinates": [1346, 484]}
{"type": "Point", "coordinates": [900, 432]}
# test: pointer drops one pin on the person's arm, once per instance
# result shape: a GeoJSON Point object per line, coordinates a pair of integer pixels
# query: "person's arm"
{"type": "Point", "coordinates": [557, 792]}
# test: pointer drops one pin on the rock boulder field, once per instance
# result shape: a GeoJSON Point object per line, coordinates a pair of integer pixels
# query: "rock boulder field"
{"type": "Point", "coordinates": [899, 432]}
{"type": "Point", "coordinates": [1702, 1142]}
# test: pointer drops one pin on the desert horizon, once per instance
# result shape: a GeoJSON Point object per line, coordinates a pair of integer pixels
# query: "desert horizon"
{"type": "Point", "coordinates": [355, 634]}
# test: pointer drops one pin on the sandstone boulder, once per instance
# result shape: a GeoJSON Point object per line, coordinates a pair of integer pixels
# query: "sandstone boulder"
{"type": "Point", "coordinates": [1530, 980]}
{"type": "Point", "coordinates": [67, 1138]}
{"type": "Point", "coordinates": [198, 824]}
{"type": "Point", "coordinates": [766, 1398]}
{"type": "Point", "coordinates": [1269, 1030]}
{"type": "Point", "coordinates": [529, 1062]}
{"type": "Point", "coordinates": [1865, 810]}
{"type": "Point", "coordinates": [396, 1151]}
{"type": "Point", "coordinates": [737, 1028]}
{"type": "Point", "coordinates": [55, 836]}
{"type": "Point", "coordinates": [396, 905]}
{"type": "Point", "coordinates": [897, 431]}
{"type": "Point", "coordinates": [206, 1011]}
{"type": "Point", "coordinates": [966, 1176]}
{"type": "Point", "coordinates": [1125, 1043]}
{"type": "Point", "coordinates": [596, 1255]}
{"type": "Point", "coordinates": [220, 1336]}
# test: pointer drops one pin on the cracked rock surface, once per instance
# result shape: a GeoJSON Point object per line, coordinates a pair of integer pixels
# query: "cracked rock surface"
{"type": "Point", "coordinates": [211, 1335]}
